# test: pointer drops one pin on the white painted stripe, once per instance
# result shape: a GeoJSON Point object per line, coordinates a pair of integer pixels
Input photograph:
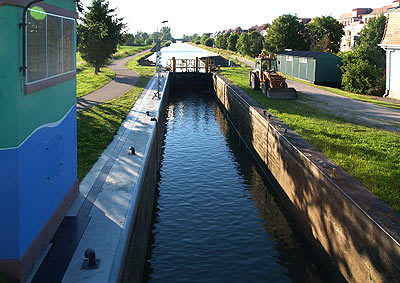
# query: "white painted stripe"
{"type": "Point", "coordinates": [49, 125]}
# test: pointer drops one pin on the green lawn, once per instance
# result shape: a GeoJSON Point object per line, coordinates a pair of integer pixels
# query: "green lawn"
{"type": "Point", "coordinates": [98, 125]}
{"type": "Point", "coordinates": [125, 51]}
{"type": "Point", "coordinates": [366, 98]}
{"type": "Point", "coordinates": [87, 82]}
{"type": "Point", "coordinates": [369, 154]}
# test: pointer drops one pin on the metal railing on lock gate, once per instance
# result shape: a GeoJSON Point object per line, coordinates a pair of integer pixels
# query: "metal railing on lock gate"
{"type": "Point", "coordinates": [191, 65]}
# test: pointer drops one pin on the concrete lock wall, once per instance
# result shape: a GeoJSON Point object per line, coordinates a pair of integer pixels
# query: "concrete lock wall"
{"type": "Point", "coordinates": [135, 254]}
{"type": "Point", "coordinates": [349, 228]}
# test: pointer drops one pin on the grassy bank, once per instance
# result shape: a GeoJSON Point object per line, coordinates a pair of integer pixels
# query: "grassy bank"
{"type": "Point", "coordinates": [87, 82]}
{"type": "Point", "coordinates": [365, 98]}
{"type": "Point", "coordinates": [125, 51]}
{"type": "Point", "coordinates": [370, 155]}
{"type": "Point", "coordinates": [98, 125]}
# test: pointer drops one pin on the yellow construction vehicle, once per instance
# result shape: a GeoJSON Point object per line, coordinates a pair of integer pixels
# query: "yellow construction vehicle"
{"type": "Point", "coordinates": [272, 83]}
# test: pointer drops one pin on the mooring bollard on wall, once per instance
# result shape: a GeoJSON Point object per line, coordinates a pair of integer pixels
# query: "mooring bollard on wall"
{"type": "Point", "coordinates": [38, 147]}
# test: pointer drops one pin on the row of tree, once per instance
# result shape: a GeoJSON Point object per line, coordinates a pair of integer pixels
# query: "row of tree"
{"type": "Point", "coordinates": [100, 32]}
{"type": "Point", "coordinates": [362, 68]}
{"type": "Point", "coordinates": [287, 31]}
{"type": "Point", "coordinates": [143, 38]}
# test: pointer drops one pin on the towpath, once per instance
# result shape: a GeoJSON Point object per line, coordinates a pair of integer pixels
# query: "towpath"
{"type": "Point", "coordinates": [124, 80]}
{"type": "Point", "coordinates": [351, 109]}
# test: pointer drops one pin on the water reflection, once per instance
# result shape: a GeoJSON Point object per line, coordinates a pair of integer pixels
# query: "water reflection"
{"type": "Point", "coordinates": [215, 217]}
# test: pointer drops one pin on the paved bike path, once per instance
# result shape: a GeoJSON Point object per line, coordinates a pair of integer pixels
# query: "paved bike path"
{"type": "Point", "coordinates": [124, 80]}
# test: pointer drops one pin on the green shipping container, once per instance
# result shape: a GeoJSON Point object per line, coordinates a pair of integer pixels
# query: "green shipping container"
{"type": "Point", "coordinates": [316, 67]}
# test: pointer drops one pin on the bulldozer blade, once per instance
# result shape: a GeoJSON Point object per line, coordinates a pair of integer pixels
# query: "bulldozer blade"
{"type": "Point", "coordinates": [282, 93]}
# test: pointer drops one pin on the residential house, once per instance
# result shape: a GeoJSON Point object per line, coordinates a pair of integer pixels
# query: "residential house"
{"type": "Point", "coordinates": [355, 21]}
{"type": "Point", "coordinates": [238, 30]}
{"type": "Point", "coordinates": [391, 43]}
{"type": "Point", "coordinates": [263, 29]}
{"type": "Point", "coordinates": [305, 21]}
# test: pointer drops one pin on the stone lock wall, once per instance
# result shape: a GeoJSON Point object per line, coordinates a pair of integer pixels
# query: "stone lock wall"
{"type": "Point", "coordinates": [349, 228]}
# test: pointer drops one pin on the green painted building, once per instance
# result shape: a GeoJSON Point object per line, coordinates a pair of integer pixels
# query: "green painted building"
{"type": "Point", "coordinates": [316, 67]}
{"type": "Point", "coordinates": [38, 157]}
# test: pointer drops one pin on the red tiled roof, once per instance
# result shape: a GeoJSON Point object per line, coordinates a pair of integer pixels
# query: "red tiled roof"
{"type": "Point", "coordinates": [363, 11]}
{"type": "Point", "coordinates": [345, 16]}
{"type": "Point", "coordinates": [392, 31]}
{"type": "Point", "coordinates": [262, 27]}
{"type": "Point", "coordinates": [381, 10]}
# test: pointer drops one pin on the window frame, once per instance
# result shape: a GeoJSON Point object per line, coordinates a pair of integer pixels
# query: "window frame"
{"type": "Point", "coordinates": [48, 81]}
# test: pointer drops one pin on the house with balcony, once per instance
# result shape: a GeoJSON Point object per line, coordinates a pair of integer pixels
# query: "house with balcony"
{"type": "Point", "coordinates": [355, 21]}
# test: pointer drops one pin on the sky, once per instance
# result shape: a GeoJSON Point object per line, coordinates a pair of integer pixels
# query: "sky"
{"type": "Point", "coordinates": [208, 16]}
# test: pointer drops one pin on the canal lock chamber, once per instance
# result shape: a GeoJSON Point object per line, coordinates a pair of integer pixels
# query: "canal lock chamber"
{"type": "Point", "coordinates": [316, 215]}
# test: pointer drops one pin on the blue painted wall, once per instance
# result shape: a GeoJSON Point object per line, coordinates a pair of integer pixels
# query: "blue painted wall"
{"type": "Point", "coordinates": [9, 208]}
{"type": "Point", "coordinates": [35, 178]}
{"type": "Point", "coordinates": [47, 166]}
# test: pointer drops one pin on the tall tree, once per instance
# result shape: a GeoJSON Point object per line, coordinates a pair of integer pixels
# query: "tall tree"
{"type": "Point", "coordinates": [141, 38]}
{"type": "Point", "coordinates": [129, 39]}
{"type": "Point", "coordinates": [209, 42]}
{"type": "Point", "coordinates": [243, 45]}
{"type": "Point", "coordinates": [204, 37]}
{"type": "Point", "coordinates": [196, 38]}
{"type": "Point", "coordinates": [257, 43]}
{"type": "Point", "coordinates": [219, 40]}
{"type": "Point", "coordinates": [286, 32]}
{"type": "Point", "coordinates": [224, 41]}
{"type": "Point", "coordinates": [232, 41]}
{"type": "Point", "coordinates": [100, 34]}
{"type": "Point", "coordinates": [325, 34]}
{"type": "Point", "coordinates": [165, 33]}
{"type": "Point", "coordinates": [372, 33]}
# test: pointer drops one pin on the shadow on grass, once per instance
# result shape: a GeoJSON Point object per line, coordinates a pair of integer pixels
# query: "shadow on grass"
{"type": "Point", "coordinates": [98, 125]}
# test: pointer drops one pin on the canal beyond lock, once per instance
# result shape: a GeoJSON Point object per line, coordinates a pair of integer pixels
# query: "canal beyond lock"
{"type": "Point", "coordinates": [216, 217]}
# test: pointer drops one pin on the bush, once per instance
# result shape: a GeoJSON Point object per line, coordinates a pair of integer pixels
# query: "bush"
{"type": "Point", "coordinates": [209, 42]}
{"type": "Point", "coordinates": [363, 70]}
{"type": "Point", "coordinates": [361, 77]}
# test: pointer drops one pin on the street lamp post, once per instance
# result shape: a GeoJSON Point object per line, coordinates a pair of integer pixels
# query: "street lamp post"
{"type": "Point", "coordinates": [158, 61]}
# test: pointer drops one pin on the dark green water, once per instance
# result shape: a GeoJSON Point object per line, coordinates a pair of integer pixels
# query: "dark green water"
{"type": "Point", "coordinates": [216, 218]}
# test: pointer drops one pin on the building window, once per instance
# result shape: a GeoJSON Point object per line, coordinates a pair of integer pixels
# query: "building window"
{"type": "Point", "coordinates": [50, 46]}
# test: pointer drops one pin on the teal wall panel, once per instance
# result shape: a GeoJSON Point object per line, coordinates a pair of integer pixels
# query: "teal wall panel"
{"type": "Point", "coordinates": [19, 115]}
{"type": "Point", "coordinates": [11, 83]}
